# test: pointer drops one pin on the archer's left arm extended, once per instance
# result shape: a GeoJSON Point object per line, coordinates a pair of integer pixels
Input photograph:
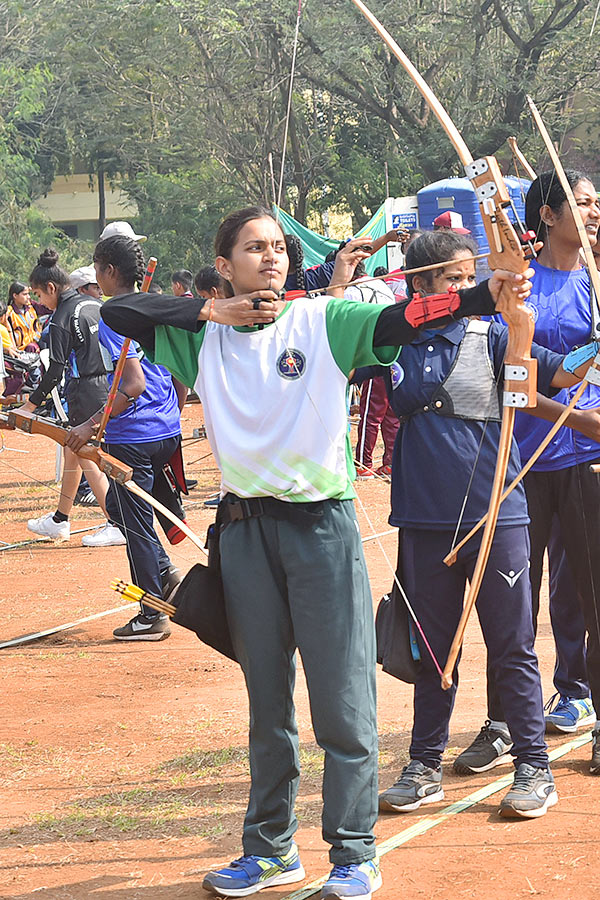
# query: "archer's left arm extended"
{"type": "Point", "coordinates": [586, 421]}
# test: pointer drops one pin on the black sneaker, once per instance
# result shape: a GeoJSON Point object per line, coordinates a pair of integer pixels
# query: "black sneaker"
{"type": "Point", "coordinates": [144, 628]}
{"type": "Point", "coordinates": [171, 579]}
{"type": "Point", "coordinates": [532, 793]}
{"type": "Point", "coordinates": [595, 763]}
{"type": "Point", "coordinates": [490, 748]}
{"type": "Point", "coordinates": [85, 497]}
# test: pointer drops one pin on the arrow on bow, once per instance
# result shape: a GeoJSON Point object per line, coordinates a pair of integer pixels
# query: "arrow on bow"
{"type": "Point", "coordinates": [112, 467]}
{"type": "Point", "coordinates": [506, 252]}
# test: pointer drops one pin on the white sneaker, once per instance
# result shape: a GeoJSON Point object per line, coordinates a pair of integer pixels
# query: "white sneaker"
{"type": "Point", "coordinates": [45, 525]}
{"type": "Point", "coordinates": [106, 536]}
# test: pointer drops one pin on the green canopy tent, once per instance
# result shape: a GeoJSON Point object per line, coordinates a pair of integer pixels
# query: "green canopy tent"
{"type": "Point", "coordinates": [316, 247]}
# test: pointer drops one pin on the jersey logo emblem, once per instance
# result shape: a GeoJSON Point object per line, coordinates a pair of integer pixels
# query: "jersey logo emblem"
{"type": "Point", "coordinates": [512, 577]}
{"type": "Point", "coordinates": [533, 310]}
{"type": "Point", "coordinates": [396, 375]}
{"type": "Point", "coordinates": [291, 364]}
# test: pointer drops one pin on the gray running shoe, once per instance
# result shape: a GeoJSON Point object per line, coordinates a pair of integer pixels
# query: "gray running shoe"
{"type": "Point", "coordinates": [418, 784]}
{"type": "Point", "coordinates": [595, 763]}
{"type": "Point", "coordinates": [532, 793]}
{"type": "Point", "coordinates": [490, 748]}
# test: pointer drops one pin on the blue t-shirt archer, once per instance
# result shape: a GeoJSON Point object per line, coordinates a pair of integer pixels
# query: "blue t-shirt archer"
{"type": "Point", "coordinates": [155, 414]}
{"type": "Point", "coordinates": [563, 320]}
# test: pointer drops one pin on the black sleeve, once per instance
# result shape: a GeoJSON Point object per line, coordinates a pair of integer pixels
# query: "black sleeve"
{"type": "Point", "coordinates": [51, 378]}
{"type": "Point", "coordinates": [364, 373]}
{"type": "Point", "coordinates": [136, 315]}
{"type": "Point", "coordinates": [392, 329]}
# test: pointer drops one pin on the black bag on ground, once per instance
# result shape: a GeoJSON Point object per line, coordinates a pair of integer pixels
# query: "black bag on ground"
{"type": "Point", "coordinates": [397, 648]}
{"type": "Point", "coordinates": [200, 603]}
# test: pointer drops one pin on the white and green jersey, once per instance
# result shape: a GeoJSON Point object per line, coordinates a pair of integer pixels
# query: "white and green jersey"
{"type": "Point", "coordinates": [275, 399]}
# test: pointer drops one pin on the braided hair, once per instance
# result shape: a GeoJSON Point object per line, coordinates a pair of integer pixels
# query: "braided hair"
{"type": "Point", "coordinates": [125, 255]}
{"type": "Point", "coordinates": [296, 255]}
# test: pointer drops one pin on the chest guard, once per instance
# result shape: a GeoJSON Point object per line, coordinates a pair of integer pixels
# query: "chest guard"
{"type": "Point", "coordinates": [469, 390]}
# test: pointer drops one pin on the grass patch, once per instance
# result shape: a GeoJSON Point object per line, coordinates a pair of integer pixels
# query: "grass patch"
{"type": "Point", "coordinates": [311, 761]}
{"type": "Point", "coordinates": [140, 812]}
{"type": "Point", "coordinates": [201, 763]}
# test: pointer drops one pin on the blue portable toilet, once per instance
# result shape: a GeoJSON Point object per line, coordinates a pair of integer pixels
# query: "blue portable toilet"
{"type": "Point", "coordinates": [458, 195]}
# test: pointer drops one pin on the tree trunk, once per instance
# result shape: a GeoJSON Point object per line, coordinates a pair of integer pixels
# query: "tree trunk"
{"type": "Point", "coordinates": [101, 201]}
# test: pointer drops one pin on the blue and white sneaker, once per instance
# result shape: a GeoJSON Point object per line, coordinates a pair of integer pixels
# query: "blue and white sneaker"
{"type": "Point", "coordinates": [569, 713]}
{"type": "Point", "coordinates": [355, 882]}
{"type": "Point", "coordinates": [250, 874]}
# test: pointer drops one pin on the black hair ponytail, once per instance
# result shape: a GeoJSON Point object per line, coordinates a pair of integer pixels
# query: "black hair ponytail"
{"type": "Point", "coordinates": [547, 190]}
{"type": "Point", "coordinates": [47, 270]}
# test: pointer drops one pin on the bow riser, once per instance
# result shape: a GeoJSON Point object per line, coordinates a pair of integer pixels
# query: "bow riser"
{"type": "Point", "coordinates": [506, 250]}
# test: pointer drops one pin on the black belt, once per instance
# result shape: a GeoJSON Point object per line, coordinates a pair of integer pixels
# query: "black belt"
{"type": "Point", "coordinates": [233, 509]}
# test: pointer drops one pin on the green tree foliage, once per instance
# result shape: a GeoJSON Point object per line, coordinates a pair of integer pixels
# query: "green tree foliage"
{"type": "Point", "coordinates": [183, 102]}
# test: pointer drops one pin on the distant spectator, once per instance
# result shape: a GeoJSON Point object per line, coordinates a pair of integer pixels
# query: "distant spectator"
{"type": "Point", "coordinates": [209, 284]}
{"type": "Point", "coordinates": [299, 278]}
{"type": "Point", "coordinates": [181, 283]}
{"type": "Point", "coordinates": [21, 370]}
{"type": "Point", "coordinates": [374, 408]}
{"type": "Point", "coordinates": [398, 283]}
{"type": "Point", "coordinates": [22, 318]}
{"type": "Point", "coordinates": [84, 282]}
{"type": "Point", "coordinates": [123, 228]}
{"type": "Point", "coordinates": [450, 221]}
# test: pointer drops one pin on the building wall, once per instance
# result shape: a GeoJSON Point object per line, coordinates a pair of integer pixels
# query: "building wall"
{"type": "Point", "coordinates": [72, 205]}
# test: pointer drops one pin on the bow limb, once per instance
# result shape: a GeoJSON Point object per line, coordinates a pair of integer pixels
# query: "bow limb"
{"type": "Point", "coordinates": [144, 495]}
{"type": "Point", "coordinates": [520, 157]}
{"type": "Point", "coordinates": [450, 559]}
{"type": "Point", "coordinates": [111, 467]}
{"type": "Point", "coordinates": [506, 252]}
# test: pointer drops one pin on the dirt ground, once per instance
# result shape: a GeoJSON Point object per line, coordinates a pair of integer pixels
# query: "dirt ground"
{"type": "Point", "coordinates": [123, 767]}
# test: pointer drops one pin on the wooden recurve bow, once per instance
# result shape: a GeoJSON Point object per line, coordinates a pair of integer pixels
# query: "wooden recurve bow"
{"type": "Point", "coordinates": [112, 467]}
{"type": "Point", "coordinates": [506, 252]}
{"type": "Point", "coordinates": [592, 375]}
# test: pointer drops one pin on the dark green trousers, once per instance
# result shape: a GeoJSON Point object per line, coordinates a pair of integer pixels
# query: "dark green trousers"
{"type": "Point", "coordinates": [295, 586]}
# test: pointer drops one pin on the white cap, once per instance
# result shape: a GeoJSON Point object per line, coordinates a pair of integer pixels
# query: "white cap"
{"type": "Point", "coordinates": [82, 276]}
{"type": "Point", "coordinates": [123, 228]}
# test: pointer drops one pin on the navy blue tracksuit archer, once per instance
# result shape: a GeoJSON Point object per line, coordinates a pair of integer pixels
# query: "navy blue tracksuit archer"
{"type": "Point", "coordinates": [445, 452]}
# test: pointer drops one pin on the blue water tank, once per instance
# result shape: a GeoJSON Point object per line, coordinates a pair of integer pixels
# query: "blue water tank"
{"type": "Point", "coordinates": [458, 195]}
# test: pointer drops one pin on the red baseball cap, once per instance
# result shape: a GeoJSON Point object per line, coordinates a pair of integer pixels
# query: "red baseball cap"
{"type": "Point", "coordinates": [451, 220]}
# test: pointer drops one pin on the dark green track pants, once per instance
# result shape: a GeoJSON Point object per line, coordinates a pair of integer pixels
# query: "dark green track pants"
{"type": "Point", "coordinates": [288, 586]}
